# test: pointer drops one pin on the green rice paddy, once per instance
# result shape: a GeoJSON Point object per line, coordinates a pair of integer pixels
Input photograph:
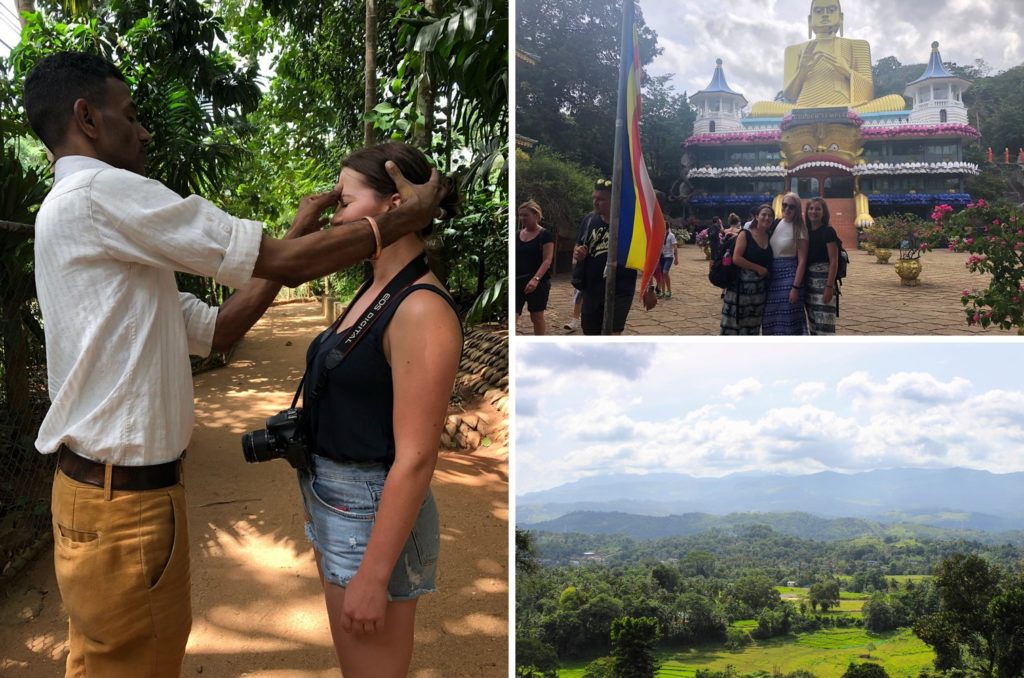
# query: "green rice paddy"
{"type": "Point", "coordinates": [826, 653]}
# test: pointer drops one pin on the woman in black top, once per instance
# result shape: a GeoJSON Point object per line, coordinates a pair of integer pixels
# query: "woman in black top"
{"type": "Point", "coordinates": [375, 420]}
{"type": "Point", "coordinates": [744, 302]}
{"type": "Point", "coordinates": [535, 249]}
{"type": "Point", "coordinates": [822, 264]}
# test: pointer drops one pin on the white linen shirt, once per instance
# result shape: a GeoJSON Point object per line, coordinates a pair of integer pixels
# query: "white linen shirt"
{"type": "Point", "coordinates": [118, 331]}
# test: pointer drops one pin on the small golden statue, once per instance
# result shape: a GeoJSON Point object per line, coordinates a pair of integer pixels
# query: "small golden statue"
{"type": "Point", "coordinates": [828, 70]}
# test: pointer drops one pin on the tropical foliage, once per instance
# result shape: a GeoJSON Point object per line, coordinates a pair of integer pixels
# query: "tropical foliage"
{"type": "Point", "coordinates": [567, 87]}
{"type": "Point", "coordinates": [714, 592]}
{"type": "Point", "coordinates": [560, 186]}
{"type": "Point", "coordinates": [254, 103]}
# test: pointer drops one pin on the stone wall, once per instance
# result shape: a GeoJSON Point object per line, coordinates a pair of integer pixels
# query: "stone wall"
{"type": "Point", "coordinates": [484, 373]}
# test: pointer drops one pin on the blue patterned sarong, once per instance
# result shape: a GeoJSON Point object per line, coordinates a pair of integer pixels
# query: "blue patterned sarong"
{"type": "Point", "coordinates": [780, 316]}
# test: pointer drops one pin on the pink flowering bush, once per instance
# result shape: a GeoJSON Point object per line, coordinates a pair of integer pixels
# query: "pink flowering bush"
{"type": "Point", "coordinates": [993, 236]}
{"type": "Point", "coordinates": [906, 232]}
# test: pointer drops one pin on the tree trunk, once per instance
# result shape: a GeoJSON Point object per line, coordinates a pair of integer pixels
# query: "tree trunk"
{"type": "Point", "coordinates": [370, 92]}
{"type": "Point", "coordinates": [25, 6]}
{"type": "Point", "coordinates": [425, 93]}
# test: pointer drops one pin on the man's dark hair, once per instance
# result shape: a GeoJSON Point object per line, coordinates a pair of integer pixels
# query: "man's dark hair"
{"type": "Point", "coordinates": [55, 83]}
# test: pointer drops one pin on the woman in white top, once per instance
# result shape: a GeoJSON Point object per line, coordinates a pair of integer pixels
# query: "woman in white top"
{"type": "Point", "coordinates": [669, 256]}
{"type": "Point", "coordinates": [784, 310]}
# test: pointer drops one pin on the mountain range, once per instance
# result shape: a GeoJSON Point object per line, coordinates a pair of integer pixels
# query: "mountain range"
{"type": "Point", "coordinates": [945, 498]}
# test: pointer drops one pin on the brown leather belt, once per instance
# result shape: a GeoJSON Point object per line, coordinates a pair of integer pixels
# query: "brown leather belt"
{"type": "Point", "coordinates": [134, 478]}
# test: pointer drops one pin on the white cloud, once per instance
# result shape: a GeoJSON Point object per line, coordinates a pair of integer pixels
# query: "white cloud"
{"type": "Point", "coordinates": [684, 415]}
{"type": "Point", "coordinates": [750, 36]}
{"type": "Point", "coordinates": [901, 390]}
{"type": "Point", "coordinates": [809, 390]}
{"type": "Point", "coordinates": [742, 389]}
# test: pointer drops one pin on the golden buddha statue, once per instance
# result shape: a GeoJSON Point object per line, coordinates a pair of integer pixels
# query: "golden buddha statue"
{"type": "Point", "coordinates": [828, 70]}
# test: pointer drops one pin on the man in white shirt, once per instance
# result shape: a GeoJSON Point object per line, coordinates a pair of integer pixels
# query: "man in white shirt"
{"type": "Point", "coordinates": [118, 336]}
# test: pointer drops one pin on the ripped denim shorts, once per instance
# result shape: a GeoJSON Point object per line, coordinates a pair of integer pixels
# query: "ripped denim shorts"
{"type": "Point", "coordinates": [341, 501]}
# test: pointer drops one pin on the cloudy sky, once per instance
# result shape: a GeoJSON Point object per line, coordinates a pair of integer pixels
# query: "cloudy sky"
{"type": "Point", "coordinates": [751, 35]}
{"type": "Point", "coordinates": [585, 409]}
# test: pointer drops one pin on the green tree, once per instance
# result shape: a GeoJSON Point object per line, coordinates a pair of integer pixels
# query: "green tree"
{"type": "Point", "coordinates": [996, 105]}
{"type": "Point", "coordinates": [665, 577]}
{"type": "Point", "coordinates": [824, 594]}
{"type": "Point", "coordinates": [190, 93]}
{"type": "Point", "coordinates": [535, 658]}
{"type": "Point", "coordinates": [879, 614]}
{"type": "Point", "coordinates": [526, 556]}
{"type": "Point", "coordinates": [697, 619]}
{"type": "Point", "coordinates": [667, 119]}
{"type": "Point", "coordinates": [755, 592]}
{"type": "Point", "coordinates": [560, 186]}
{"type": "Point", "coordinates": [1008, 616]}
{"type": "Point", "coordinates": [567, 99]}
{"type": "Point", "coordinates": [602, 667]}
{"type": "Point", "coordinates": [633, 643]}
{"type": "Point", "coordinates": [865, 670]}
{"type": "Point", "coordinates": [773, 622]}
{"type": "Point", "coordinates": [963, 630]}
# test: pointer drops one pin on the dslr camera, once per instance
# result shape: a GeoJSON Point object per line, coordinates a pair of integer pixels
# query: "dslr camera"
{"type": "Point", "coordinates": [283, 438]}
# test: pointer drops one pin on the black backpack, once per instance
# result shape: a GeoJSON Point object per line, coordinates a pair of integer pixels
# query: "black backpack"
{"type": "Point", "coordinates": [844, 261]}
{"type": "Point", "coordinates": [721, 274]}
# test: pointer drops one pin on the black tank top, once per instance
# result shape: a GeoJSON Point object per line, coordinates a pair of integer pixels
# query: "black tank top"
{"type": "Point", "coordinates": [352, 418]}
{"type": "Point", "coordinates": [755, 254]}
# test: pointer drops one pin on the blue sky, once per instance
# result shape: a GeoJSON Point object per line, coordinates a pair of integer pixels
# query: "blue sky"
{"type": "Point", "coordinates": [751, 35]}
{"type": "Point", "coordinates": [710, 409]}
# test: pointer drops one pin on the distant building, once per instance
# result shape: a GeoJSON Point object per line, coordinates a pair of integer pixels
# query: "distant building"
{"type": "Point", "coordinates": [862, 163]}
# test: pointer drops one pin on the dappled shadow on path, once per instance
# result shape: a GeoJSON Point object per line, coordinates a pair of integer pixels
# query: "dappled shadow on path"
{"type": "Point", "coordinates": [258, 607]}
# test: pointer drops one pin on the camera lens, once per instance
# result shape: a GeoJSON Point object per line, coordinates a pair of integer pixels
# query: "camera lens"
{"type": "Point", "coordinates": [258, 446]}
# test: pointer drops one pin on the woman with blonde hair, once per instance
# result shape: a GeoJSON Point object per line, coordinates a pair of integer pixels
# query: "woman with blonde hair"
{"type": "Point", "coordinates": [375, 395]}
{"type": "Point", "coordinates": [784, 309]}
{"type": "Point", "coordinates": [535, 250]}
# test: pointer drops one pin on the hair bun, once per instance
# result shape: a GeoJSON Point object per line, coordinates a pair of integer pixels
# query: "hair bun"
{"type": "Point", "coordinates": [451, 201]}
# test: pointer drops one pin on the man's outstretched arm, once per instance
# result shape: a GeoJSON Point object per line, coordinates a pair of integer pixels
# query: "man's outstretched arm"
{"type": "Point", "coordinates": [248, 304]}
{"type": "Point", "coordinates": [293, 262]}
{"type": "Point", "coordinates": [306, 252]}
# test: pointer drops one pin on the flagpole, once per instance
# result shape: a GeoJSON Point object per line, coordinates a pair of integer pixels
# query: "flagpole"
{"type": "Point", "coordinates": [620, 128]}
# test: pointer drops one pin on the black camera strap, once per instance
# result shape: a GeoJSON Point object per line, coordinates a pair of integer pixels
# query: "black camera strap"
{"type": "Point", "coordinates": [409, 274]}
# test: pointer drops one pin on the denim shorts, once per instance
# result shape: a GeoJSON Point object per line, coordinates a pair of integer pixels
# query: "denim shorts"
{"type": "Point", "coordinates": [341, 501]}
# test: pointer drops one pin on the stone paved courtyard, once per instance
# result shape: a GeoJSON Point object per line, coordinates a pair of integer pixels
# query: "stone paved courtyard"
{"type": "Point", "coordinates": [872, 303]}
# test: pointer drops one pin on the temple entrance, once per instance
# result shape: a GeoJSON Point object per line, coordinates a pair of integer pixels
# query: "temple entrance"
{"type": "Point", "coordinates": [840, 186]}
{"type": "Point", "coordinates": [842, 215]}
{"type": "Point", "coordinates": [812, 184]}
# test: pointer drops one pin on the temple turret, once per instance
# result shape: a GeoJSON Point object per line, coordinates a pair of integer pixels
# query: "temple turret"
{"type": "Point", "coordinates": [718, 107]}
{"type": "Point", "coordinates": [937, 94]}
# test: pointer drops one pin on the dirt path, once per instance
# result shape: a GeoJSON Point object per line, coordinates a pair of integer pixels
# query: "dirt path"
{"type": "Point", "coordinates": [257, 604]}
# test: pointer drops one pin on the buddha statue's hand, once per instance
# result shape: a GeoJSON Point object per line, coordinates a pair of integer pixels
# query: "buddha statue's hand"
{"type": "Point", "coordinates": [807, 59]}
{"type": "Point", "coordinates": [839, 65]}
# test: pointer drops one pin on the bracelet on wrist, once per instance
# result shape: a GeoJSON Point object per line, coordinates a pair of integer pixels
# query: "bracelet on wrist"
{"type": "Point", "coordinates": [796, 287]}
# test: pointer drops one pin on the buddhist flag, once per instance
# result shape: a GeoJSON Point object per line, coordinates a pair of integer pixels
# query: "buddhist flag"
{"type": "Point", "coordinates": [641, 223]}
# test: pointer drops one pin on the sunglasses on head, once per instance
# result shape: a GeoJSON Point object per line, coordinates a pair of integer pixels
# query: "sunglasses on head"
{"type": "Point", "coordinates": [603, 183]}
